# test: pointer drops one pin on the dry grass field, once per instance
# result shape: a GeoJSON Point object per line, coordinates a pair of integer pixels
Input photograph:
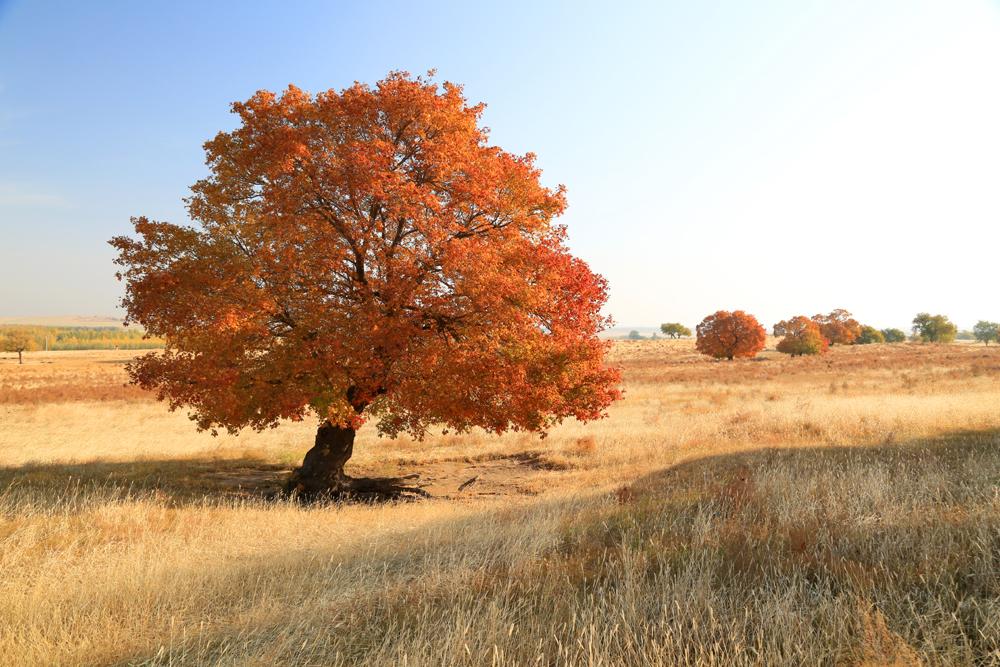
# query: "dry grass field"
{"type": "Point", "coordinates": [842, 510]}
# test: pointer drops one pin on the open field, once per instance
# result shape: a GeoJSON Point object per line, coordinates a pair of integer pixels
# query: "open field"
{"type": "Point", "coordinates": [841, 510]}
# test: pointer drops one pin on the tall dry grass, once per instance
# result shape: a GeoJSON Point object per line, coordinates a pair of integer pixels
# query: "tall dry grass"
{"type": "Point", "coordinates": [843, 510]}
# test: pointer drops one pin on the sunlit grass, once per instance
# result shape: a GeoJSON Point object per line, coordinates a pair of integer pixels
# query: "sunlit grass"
{"type": "Point", "coordinates": [843, 510]}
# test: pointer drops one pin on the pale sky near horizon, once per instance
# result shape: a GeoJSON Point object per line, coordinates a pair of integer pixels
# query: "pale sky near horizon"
{"type": "Point", "coordinates": [780, 157]}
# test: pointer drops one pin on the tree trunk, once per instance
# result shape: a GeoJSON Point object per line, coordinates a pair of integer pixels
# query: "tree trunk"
{"type": "Point", "coordinates": [322, 471]}
{"type": "Point", "coordinates": [321, 475]}
{"type": "Point", "coordinates": [20, 360]}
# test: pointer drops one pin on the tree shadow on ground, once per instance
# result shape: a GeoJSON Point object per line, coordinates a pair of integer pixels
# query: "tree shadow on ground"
{"type": "Point", "coordinates": [950, 448]}
{"type": "Point", "coordinates": [179, 481]}
{"type": "Point", "coordinates": [197, 479]}
{"type": "Point", "coordinates": [188, 480]}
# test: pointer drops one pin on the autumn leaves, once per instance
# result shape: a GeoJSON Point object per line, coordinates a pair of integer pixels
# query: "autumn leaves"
{"type": "Point", "coordinates": [730, 335]}
{"type": "Point", "coordinates": [367, 254]}
{"type": "Point", "coordinates": [727, 335]}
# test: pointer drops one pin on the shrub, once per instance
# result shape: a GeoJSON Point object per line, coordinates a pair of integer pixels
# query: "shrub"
{"type": "Point", "coordinates": [894, 335]}
{"type": "Point", "coordinates": [870, 335]}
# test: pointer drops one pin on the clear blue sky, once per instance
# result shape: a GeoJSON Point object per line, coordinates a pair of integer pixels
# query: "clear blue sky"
{"type": "Point", "coordinates": [780, 157]}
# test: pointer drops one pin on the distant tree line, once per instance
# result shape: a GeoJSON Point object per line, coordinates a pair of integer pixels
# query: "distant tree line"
{"type": "Point", "coordinates": [729, 335]}
{"type": "Point", "coordinates": [24, 338]}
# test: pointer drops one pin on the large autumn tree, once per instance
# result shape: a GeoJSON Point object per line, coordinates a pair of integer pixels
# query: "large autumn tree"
{"type": "Point", "coordinates": [367, 255]}
{"type": "Point", "coordinates": [727, 335]}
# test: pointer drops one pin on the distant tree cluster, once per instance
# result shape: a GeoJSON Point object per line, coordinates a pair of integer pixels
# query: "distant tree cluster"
{"type": "Point", "coordinates": [838, 327]}
{"type": "Point", "coordinates": [870, 335]}
{"type": "Point", "coordinates": [730, 335]}
{"type": "Point", "coordinates": [801, 336]}
{"type": "Point", "coordinates": [894, 335]}
{"type": "Point", "coordinates": [22, 338]}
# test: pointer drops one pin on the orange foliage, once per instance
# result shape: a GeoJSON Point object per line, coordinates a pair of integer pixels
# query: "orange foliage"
{"type": "Point", "coordinates": [729, 335]}
{"type": "Point", "coordinates": [838, 327]}
{"type": "Point", "coordinates": [368, 254]}
{"type": "Point", "coordinates": [801, 336]}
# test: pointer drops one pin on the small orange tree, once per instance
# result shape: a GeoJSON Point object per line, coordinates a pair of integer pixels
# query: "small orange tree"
{"type": "Point", "coordinates": [367, 255]}
{"type": "Point", "coordinates": [838, 327]}
{"type": "Point", "coordinates": [801, 336]}
{"type": "Point", "coordinates": [726, 335]}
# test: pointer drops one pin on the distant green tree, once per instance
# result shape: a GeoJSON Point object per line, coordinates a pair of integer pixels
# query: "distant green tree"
{"type": "Point", "coordinates": [869, 335]}
{"type": "Point", "coordinates": [634, 335]}
{"type": "Point", "coordinates": [934, 328]}
{"type": "Point", "coordinates": [18, 341]}
{"type": "Point", "coordinates": [674, 330]}
{"type": "Point", "coordinates": [986, 331]}
{"type": "Point", "coordinates": [894, 335]}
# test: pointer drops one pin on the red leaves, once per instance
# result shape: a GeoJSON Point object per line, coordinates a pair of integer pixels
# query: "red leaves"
{"type": "Point", "coordinates": [726, 335]}
{"type": "Point", "coordinates": [367, 252]}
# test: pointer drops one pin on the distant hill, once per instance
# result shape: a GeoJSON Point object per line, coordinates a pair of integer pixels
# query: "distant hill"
{"type": "Point", "coordinates": [623, 332]}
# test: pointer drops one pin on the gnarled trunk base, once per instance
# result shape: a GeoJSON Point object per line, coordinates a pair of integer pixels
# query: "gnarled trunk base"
{"type": "Point", "coordinates": [321, 476]}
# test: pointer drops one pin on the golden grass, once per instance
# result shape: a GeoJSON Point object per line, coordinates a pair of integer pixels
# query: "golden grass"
{"type": "Point", "coordinates": [842, 510]}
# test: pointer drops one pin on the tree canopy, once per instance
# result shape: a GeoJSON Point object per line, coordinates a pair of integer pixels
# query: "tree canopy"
{"type": "Point", "coordinates": [727, 335]}
{"type": "Point", "coordinates": [368, 254]}
{"type": "Point", "coordinates": [934, 328]}
{"type": "Point", "coordinates": [675, 330]}
{"type": "Point", "coordinates": [986, 331]}
{"type": "Point", "coordinates": [838, 327]}
{"type": "Point", "coordinates": [801, 336]}
{"type": "Point", "coordinates": [870, 335]}
{"type": "Point", "coordinates": [894, 335]}
{"type": "Point", "coordinates": [19, 341]}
